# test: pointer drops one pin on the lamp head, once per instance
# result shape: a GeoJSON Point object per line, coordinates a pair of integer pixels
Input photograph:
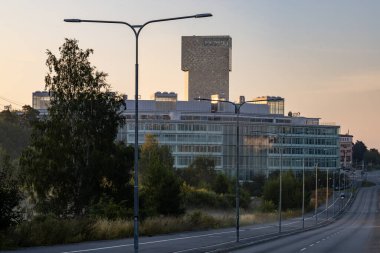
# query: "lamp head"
{"type": "Point", "coordinates": [72, 20]}
{"type": "Point", "coordinates": [203, 15]}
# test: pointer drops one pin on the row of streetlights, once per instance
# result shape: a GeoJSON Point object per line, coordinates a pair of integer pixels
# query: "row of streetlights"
{"type": "Point", "coordinates": [136, 31]}
{"type": "Point", "coordinates": [237, 107]}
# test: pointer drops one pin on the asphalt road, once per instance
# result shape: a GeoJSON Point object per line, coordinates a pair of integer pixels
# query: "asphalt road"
{"type": "Point", "coordinates": [356, 231]}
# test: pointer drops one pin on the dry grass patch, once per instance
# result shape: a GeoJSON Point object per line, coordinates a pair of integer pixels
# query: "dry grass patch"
{"type": "Point", "coordinates": [112, 229]}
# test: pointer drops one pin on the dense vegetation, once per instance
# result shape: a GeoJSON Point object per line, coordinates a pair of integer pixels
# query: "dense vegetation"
{"type": "Point", "coordinates": [364, 157]}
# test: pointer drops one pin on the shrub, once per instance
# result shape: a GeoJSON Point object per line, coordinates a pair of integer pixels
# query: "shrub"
{"type": "Point", "coordinates": [46, 230]}
{"type": "Point", "coordinates": [107, 208]}
{"type": "Point", "coordinates": [201, 220]}
{"type": "Point", "coordinates": [111, 229]}
{"type": "Point", "coordinates": [204, 198]}
{"type": "Point", "coordinates": [267, 206]}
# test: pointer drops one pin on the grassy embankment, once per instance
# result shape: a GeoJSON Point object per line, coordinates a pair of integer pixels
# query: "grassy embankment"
{"type": "Point", "coordinates": [50, 230]}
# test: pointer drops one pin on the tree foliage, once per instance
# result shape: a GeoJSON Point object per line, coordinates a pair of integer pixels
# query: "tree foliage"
{"type": "Point", "coordinates": [358, 151]}
{"type": "Point", "coordinates": [15, 131]}
{"type": "Point", "coordinates": [10, 195]}
{"type": "Point", "coordinates": [161, 189]}
{"type": "Point", "coordinates": [372, 157]}
{"type": "Point", "coordinates": [291, 191]}
{"type": "Point", "coordinates": [72, 159]}
{"type": "Point", "coordinates": [200, 173]}
{"type": "Point", "coordinates": [255, 188]}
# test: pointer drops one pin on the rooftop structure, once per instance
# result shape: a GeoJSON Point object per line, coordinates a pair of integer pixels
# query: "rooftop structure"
{"type": "Point", "coordinates": [276, 104]}
{"type": "Point", "coordinates": [206, 61]}
{"type": "Point", "coordinates": [40, 100]}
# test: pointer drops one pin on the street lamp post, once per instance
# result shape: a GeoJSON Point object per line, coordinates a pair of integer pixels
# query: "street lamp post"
{"type": "Point", "coordinates": [316, 194]}
{"type": "Point", "coordinates": [333, 188]}
{"type": "Point", "coordinates": [303, 191]}
{"type": "Point", "coordinates": [280, 192]}
{"type": "Point", "coordinates": [237, 186]}
{"type": "Point", "coordinates": [344, 184]}
{"type": "Point", "coordinates": [340, 192]}
{"type": "Point", "coordinates": [327, 194]}
{"type": "Point", "coordinates": [136, 30]}
{"type": "Point", "coordinates": [327, 182]}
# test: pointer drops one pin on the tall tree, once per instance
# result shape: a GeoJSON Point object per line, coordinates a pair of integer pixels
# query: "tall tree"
{"type": "Point", "coordinates": [10, 195]}
{"type": "Point", "coordinates": [160, 187]}
{"type": "Point", "coordinates": [14, 134]}
{"type": "Point", "coordinates": [71, 150]}
{"type": "Point", "coordinates": [291, 191]}
{"type": "Point", "coordinates": [200, 173]}
{"type": "Point", "coordinates": [372, 157]}
{"type": "Point", "coordinates": [358, 151]}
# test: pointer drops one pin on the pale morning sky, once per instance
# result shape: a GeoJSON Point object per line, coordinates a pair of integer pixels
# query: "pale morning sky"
{"type": "Point", "coordinates": [322, 56]}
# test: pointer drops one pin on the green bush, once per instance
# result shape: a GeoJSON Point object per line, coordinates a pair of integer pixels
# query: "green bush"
{"type": "Point", "coordinates": [368, 183]}
{"type": "Point", "coordinates": [107, 208]}
{"type": "Point", "coordinates": [291, 191]}
{"type": "Point", "coordinates": [204, 198]}
{"type": "Point", "coordinates": [200, 220]}
{"type": "Point", "coordinates": [47, 230]}
{"type": "Point", "coordinates": [267, 206]}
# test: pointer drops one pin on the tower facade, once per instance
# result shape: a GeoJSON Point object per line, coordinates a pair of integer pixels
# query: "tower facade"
{"type": "Point", "coordinates": [206, 61]}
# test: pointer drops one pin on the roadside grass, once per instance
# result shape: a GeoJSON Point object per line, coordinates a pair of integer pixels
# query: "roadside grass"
{"type": "Point", "coordinates": [368, 184]}
{"type": "Point", "coordinates": [49, 230]}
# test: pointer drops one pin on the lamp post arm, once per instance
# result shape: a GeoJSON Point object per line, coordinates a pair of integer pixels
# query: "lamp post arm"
{"type": "Point", "coordinates": [202, 15]}
{"type": "Point", "coordinates": [102, 21]}
{"type": "Point", "coordinates": [215, 100]}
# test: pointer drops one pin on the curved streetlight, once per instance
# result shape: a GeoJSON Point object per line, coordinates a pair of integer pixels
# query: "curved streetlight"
{"type": "Point", "coordinates": [136, 30]}
{"type": "Point", "coordinates": [237, 186]}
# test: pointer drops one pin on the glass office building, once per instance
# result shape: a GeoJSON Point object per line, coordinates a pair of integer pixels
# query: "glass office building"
{"type": "Point", "coordinates": [268, 141]}
{"type": "Point", "coordinates": [40, 100]}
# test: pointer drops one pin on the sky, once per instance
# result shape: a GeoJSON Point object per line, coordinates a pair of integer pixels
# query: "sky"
{"type": "Point", "coordinates": [322, 56]}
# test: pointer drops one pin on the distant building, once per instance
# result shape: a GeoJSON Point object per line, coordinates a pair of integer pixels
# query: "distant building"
{"type": "Point", "coordinates": [346, 145]}
{"type": "Point", "coordinates": [276, 104]}
{"type": "Point", "coordinates": [40, 100]}
{"type": "Point", "coordinates": [206, 61]}
{"type": "Point", "coordinates": [203, 129]}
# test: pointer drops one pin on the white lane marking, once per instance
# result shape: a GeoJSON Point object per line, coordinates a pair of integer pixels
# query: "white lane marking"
{"type": "Point", "coordinates": [159, 241]}
{"type": "Point", "coordinates": [95, 249]}
{"type": "Point", "coordinates": [302, 249]}
{"type": "Point", "coordinates": [311, 245]}
{"type": "Point", "coordinates": [204, 247]}
{"type": "Point", "coordinates": [318, 242]}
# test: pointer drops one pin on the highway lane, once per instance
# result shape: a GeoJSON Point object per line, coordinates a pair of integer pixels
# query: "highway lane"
{"type": "Point", "coordinates": [204, 241]}
{"type": "Point", "coordinates": [357, 231]}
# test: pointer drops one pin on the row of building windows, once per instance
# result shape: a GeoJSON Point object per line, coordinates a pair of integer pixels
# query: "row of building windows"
{"type": "Point", "coordinates": [176, 127]}
{"type": "Point", "coordinates": [256, 143]}
{"type": "Point", "coordinates": [184, 161]}
{"type": "Point", "coordinates": [180, 138]}
{"type": "Point", "coordinates": [274, 134]}
{"type": "Point", "coordinates": [199, 148]}
{"type": "Point", "coordinates": [290, 163]}
{"type": "Point", "coordinates": [226, 118]}
{"type": "Point", "coordinates": [306, 151]}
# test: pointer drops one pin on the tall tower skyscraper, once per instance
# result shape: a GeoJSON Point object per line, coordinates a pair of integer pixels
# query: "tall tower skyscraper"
{"type": "Point", "coordinates": [206, 61]}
